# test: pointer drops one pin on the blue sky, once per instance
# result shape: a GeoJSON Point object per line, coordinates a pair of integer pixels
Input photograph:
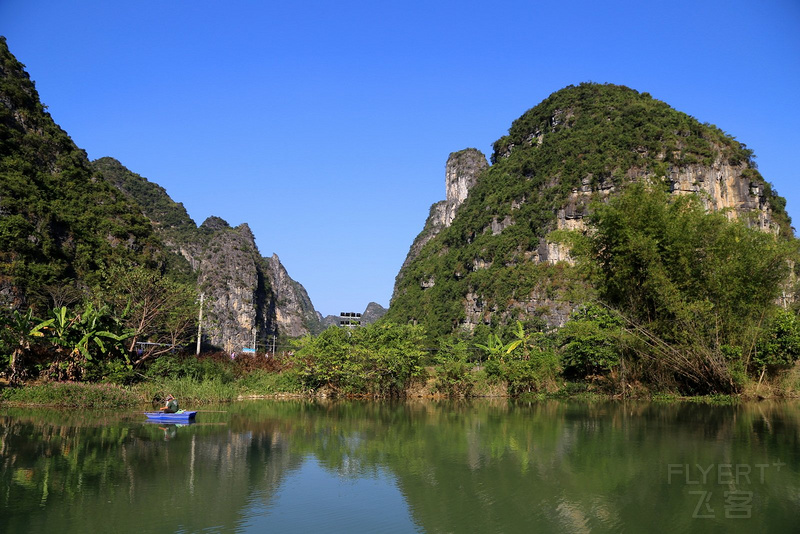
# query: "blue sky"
{"type": "Point", "coordinates": [326, 125]}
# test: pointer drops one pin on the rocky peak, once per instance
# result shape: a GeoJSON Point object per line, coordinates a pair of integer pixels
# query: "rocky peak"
{"type": "Point", "coordinates": [296, 315]}
{"type": "Point", "coordinates": [215, 223]}
{"type": "Point", "coordinates": [229, 275]}
{"type": "Point", "coordinates": [244, 292]}
{"type": "Point", "coordinates": [371, 314]}
{"type": "Point", "coordinates": [461, 173]}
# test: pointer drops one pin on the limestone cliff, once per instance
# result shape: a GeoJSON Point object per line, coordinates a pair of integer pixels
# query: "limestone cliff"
{"type": "Point", "coordinates": [231, 278]}
{"type": "Point", "coordinates": [461, 173]}
{"type": "Point", "coordinates": [294, 314]}
{"type": "Point", "coordinates": [245, 294]}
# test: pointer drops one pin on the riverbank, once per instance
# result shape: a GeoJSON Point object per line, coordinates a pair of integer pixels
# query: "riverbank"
{"type": "Point", "coordinates": [258, 385]}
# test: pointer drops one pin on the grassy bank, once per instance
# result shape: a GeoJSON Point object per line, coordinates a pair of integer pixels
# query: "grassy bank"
{"type": "Point", "coordinates": [193, 392]}
{"type": "Point", "coordinates": [216, 378]}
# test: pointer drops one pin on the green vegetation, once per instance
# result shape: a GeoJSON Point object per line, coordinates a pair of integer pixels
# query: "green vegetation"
{"type": "Point", "coordinates": [379, 360]}
{"type": "Point", "coordinates": [212, 377]}
{"type": "Point", "coordinates": [589, 342]}
{"type": "Point", "coordinates": [59, 221]}
{"type": "Point", "coordinates": [170, 219]}
{"type": "Point", "coordinates": [695, 292]}
{"type": "Point", "coordinates": [97, 338]}
{"type": "Point", "coordinates": [72, 395]}
{"type": "Point", "coordinates": [662, 297]}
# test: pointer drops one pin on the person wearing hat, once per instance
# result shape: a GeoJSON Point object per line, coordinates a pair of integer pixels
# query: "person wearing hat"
{"type": "Point", "coordinates": [171, 405]}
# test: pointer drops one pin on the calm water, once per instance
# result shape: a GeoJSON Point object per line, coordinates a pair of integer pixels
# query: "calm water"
{"type": "Point", "coordinates": [489, 466]}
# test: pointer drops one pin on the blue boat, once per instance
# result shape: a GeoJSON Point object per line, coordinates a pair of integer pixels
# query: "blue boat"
{"type": "Point", "coordinates": [181, 416]}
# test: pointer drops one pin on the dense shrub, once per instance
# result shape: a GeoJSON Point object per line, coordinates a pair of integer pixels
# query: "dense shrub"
{"type": "Point", "coordinates": [379, 359]}
{"type": "Point", "coordinates": [538, 373]}
{"type": "Point", "coordinates": [264, 382]}
{"type": "Point", "coordinates": [689, 284]}
{"type": "Point", "coordinates": [779, 345]}
{"type": "Point", "coordinates": [215, 366]}
{"type": "Point", "coordinates": [590, 342]}
{"type": "Point", "coordinates": [453, 369]}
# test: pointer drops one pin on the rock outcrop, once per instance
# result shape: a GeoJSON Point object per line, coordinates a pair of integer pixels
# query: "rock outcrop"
{"type": "Point", "coordinates": [246, 297]}
{"type": "Point", "coordinates": [294, 314]}
{"type": "Point", "coordinates": [231, 277]}
{"type": "Point", "coordinates": [462, 170]}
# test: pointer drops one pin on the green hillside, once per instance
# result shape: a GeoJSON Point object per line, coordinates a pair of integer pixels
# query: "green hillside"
{"type": "Point", "coordinates": [59, 220]}
{"type": "Point", "coordinates": [587, 138]}
{"type": "Point", "coordinates": [170, 220]}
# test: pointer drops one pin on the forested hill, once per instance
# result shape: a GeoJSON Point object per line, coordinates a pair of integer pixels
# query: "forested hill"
{"type": "Point", "coordinates": [69, 222]}
{"type": "Point", "coordinates": [169, 219]}
{"type": "Point", "coordinates": [59, 221]}
{"type": "Point", "coordinates": [493, 260]}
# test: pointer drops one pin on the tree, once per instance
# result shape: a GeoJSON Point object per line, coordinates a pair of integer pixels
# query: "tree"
{"type": "Point", "coordinates": [154, 309]}
{"type": "Point", "coordinates": [590, 342]}
{"type": "Point", "coordinates": [378, 359]}
{"type": "Point", "coordinates": [18, 333]}
{"type": "Point", "coordinates": [779, 345]}
{"type": "Point", "coordinates": [495, 348]}
{"type": "Point", "coordinates": [687, 282]}
{"type": "Point", "coordinates": [77, 337]}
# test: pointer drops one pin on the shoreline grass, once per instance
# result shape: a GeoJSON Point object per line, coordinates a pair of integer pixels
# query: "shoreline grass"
{"type": "Point", "coordinates": [193, 392]}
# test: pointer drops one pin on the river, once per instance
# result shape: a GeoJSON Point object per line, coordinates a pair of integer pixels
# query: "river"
{"type": "Point", "coordinates": [340, 466]}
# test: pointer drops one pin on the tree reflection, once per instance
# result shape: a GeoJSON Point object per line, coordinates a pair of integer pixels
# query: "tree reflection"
{"type": "Point", "coordinates": [476, 466]}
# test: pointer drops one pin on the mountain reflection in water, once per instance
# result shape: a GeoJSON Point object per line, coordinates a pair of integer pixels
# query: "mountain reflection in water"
{"type": "Point", "coordinates": [481, 466]}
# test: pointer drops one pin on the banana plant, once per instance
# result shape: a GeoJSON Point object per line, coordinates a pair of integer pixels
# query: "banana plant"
{"type": "Point", "coordinates": [522, 339]}
{"type": "Point", "coordinates": [75, 335]}
{"type": "Point", "coordinates": [494, 347]}
{"type": "Point", "coordinates": [23, 326]}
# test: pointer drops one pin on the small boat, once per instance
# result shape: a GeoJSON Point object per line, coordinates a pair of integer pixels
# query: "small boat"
{"type": "Point", "coordinates": [181, 416]}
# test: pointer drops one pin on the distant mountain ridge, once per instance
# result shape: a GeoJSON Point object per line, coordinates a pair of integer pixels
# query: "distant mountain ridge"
{"type": "Point", "coordinates": [371, 314]}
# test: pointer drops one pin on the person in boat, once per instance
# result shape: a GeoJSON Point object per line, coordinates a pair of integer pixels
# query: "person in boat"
{"type": "Point", "coordinates": [171, 404]}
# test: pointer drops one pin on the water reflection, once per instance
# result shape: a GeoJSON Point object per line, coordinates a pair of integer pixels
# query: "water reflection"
{"type": "Point", "coordinates": [493, 466]}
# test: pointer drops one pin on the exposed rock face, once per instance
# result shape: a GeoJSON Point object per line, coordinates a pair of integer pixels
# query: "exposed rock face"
{"type": "Point", "coordinates": [720, 187]}
{"type": "Point", "coordinates": [232, 280]}
{"type": "Point", "coordinates": [462, 171]}
{"type": "Point", "coordinates": [248, 297]}
{"type": "Point", "coordinates": [373, 312]}
{"type": "Point", "coordinates": [294, 314]}
{"type": "Point", "coordinates": [245, 295]}
{"type": "Point", "coordinates": [725, 187]}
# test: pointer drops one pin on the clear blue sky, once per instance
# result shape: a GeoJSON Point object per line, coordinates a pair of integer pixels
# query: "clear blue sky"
{"type": "Point", "coordinates": [326, 125]}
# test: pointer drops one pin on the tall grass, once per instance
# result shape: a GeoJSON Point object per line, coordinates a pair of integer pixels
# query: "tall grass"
{"type": "Point", "coordinates": [72, 395]}
{"type": "Point", "coordinates": [189, 390]}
